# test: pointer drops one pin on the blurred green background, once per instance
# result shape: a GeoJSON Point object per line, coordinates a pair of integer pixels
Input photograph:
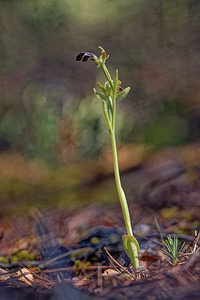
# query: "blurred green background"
{"type": "Point", "coordinates": [51, 126]}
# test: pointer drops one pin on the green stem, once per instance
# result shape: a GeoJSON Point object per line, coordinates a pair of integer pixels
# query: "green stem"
{"type": "Point", "coordinates": [123, 202]}
{"type": "Point", "coordinates": [111, 128]}
{"type": "Point", "coordinates": [120, 191]}
{"type": "Point", "coordinates": [121, 194]}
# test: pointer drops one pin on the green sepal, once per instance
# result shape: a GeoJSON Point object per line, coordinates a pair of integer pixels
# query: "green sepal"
{"type": "Point", "coordinates": [109, 107]}
{"type": "Point", "coordinates": [103, 54]}
{"type": "Point", "coordinates": [132, 249]}
{"type": "Point", "coordinates": [99, 65]}
{"type": "Point", "coordinates": [119, 83]}
{"type": "Point", "coordinates": [101, 87]}
{"type": "Point", "coordinates": [103, 57]}
{"type": "Point", "coordinates": [115, 83]}
{"type": "Point", "coordinates": [96, 59]}
{"type": "Point", "coordinates": [108, 88]}
{"type": "Point", "coordinates": [100, 95]}
{"type": "Point", "coordinates": [101, 48]}
{"type": "Point", "coordinates": [121, 95]}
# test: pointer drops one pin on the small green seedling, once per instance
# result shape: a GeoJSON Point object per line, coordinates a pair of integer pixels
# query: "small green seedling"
{"type": "Point", "coordinates": [109, 94]}
{"type": "Point", "coordinates": [172, 249]}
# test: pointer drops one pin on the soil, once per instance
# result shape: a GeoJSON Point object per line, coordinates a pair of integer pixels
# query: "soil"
{"type": "Point", "coordinates": [78, 254]}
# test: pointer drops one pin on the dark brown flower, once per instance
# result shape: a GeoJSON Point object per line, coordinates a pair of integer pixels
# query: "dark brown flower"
{"type": "Point", "coordinates": [79, 56]}
{"type": "Point", "coordinates": [119, 89]}
{"type": "Point", "coordinates": [85, 56]}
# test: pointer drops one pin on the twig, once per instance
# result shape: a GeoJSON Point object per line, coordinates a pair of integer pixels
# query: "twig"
{"type": "Point", "coordinates": [193, 260]}
{"type": "Point", "coordinates": [90, 268]}
{"type": "Point", "coordinates": [116, 262]}
{"type": "Point", "coordinates": [194, 241]}
{"type": "Point", "coordinates": [19, 264]}
{"type": "Point", "coordinates": [52, 260]}
{"type": "Point", "coordinates": [165, 235]}
{"type": "Point", "coordinates": [25, 277]}
{"type": "Point", "coordinates": [99, 277]}
{"type": "Point", "coordinates": [144, 253]}
{"type": "Point", "coordinates": [41, 278]}
{"type": "Point", "coordinates": [148, 238]}
{"type": "Point", "coordinates": [158, 227]}
{"type": "Point", "coordinates": [115, 268]}
{"type": "Point", "coordinates": [1, 235]}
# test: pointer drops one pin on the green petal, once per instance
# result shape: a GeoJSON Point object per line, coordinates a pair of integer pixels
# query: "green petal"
{"type": "Point", "coordinates": [121, 95]}
{"type": "Point", "coordinates": [100, 95]}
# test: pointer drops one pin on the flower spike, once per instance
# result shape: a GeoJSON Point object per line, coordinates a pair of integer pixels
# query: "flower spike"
{"type": "Point", "coordinates": [109, 93]}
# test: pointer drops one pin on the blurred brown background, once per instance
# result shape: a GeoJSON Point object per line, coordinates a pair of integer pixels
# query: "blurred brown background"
{"type": "Point", "coordinates": [52, 135]}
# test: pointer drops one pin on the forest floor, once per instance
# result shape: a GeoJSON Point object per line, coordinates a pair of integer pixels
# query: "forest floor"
{"type": "Point", "coordinates": [78, 253]}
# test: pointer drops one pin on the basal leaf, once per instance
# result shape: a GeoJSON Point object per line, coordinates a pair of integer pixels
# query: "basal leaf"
{"type": "Point", "coordinates": [132, 248]}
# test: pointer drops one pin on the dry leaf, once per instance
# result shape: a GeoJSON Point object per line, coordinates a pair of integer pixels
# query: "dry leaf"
{"type": "Point", "coordinates": [3, 274]}
{"type": "Point", "coordinates": [25, 276]}
{"type": "Point", "coordinates": [110, 272]}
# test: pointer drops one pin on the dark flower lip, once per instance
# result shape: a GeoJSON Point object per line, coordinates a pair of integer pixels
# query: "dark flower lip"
{"type": "Point", "coordinates": [85, 56]}
{"type": "Point", "coordinates": [119, 89]}
{"type": "Point", "coordinates": [79, 56]}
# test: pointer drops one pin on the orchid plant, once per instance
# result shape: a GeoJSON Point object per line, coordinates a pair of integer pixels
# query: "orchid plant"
{"type": "Point", "coordinates": [109, 94]}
